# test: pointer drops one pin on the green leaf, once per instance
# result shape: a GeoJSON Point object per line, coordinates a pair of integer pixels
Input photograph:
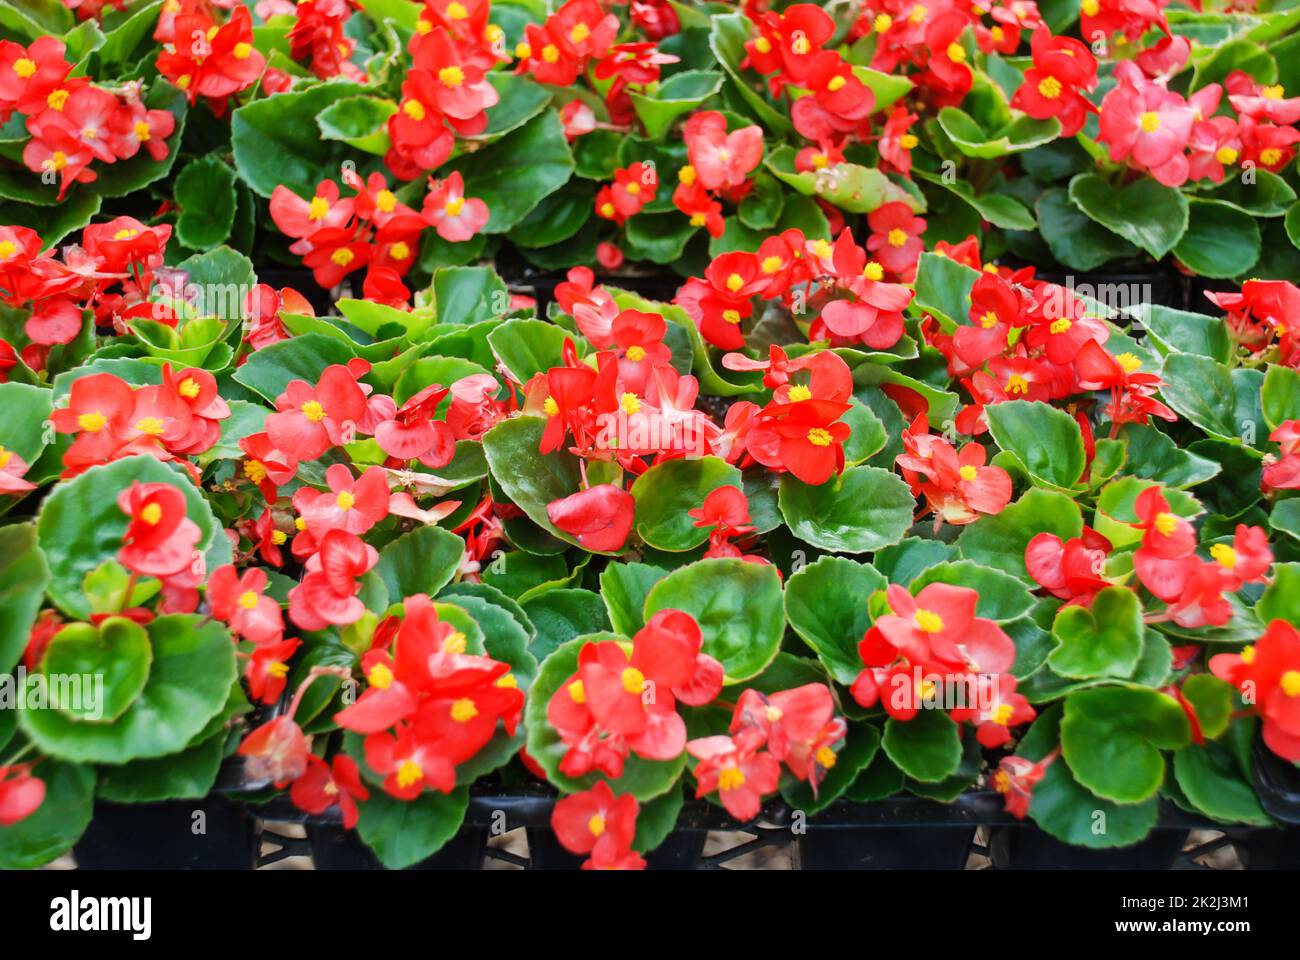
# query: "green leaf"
{"type": "Point", "coordinates": [530, 480]}
{"type": "Point", "coordinates": [999, 540]}
{"type": "Point", "coordinates": [1285, 518]}
{"type": "Point", "coordinates": [1212, 701]}
{"type": "Point", "coordinates": [189, 684]}
{"type": "Point", "coordinates": [859, 748]}
{"type": "Point", "coordinates": [1002, 597]}
{"type": "Point", "coordinates": [115, 650]}
{"type": "Point", "coordinates": [999, 209]}
{"type": "Point", "coordinates": [80, 525]}
{"type": "Point", "coordinates": [1280, 395]}
{"type": "Point", "coordinates": [188, 775]}
{"type": "Point", "coordinates": [404, 832]}
{"type": "Point", "coordinates": [24, 575]}
{"type": "Point", "coordinates": [520, 99]}
{"type": "Point", "coordinates": [738, 606]}
{"type": "Point", "coordinates": [1112, 737]}
{"type": "Point", "coordinates": [1073, 815]}
{"type": "Point", "coordinates": [1281, 600]}
{"type": "Point", "coordinates": [862, 509]}
{"type": "Point", "coordinates": [557, 218]}
{"type": "Point", "coordinates": [656, 820]}
{"type": "Point", "coordinates": [276, 140]}
{"type": "Point", "coordinates": [269, 370]}
{"type": "Point", "coordinates": [1044, 439]}
{"type": "Point", "coordinates": [422, 561]}
{"type": "Point", "coordinates": [926, 748]}
{"type": "Point", "coordinates": [727, 36]}
{"type": "Point", "coordinates": [1178, 331]}
{"type": "Point", "coordinates": [1221, 241]}
{"type": "Point", "coordinates": [1224, 403]}
{"type": "Point", "coordinates": [467, 295]}
{"type": "Point", "coordinates": [360, 122]}
{"type": "Point", "coordinates": [849, 186]}
{"type": "Point", "coordinates": [644, 779]}
{"type": "Point", "coordinates": [1213, 783]}
{"type": "Point", "coordinates": [623, 588]}
{"type": "Point", "coordinates": [513, 174]}
{"type": "Point", "coordinates": [826, 603]}
{"type": "Point", "coordinates": [205, 193]}
{"type": "Point", "coordinates": [23, 428]}
{"type": "Point", "coordinates": [527, 347]}
{"type": "Point", "coordinates": [1021, 133]}
{"type": "Point", "coordinates": [57, 222]}
{"type": "Point", "coordinates": [561, 614]}
{"type": "Point", "coordinates": [1146, 213]}
{"type": "Point", "coordinates": [1103, 640]}
{"type": "Point", "coordinates": [58, 822]}
{"type": "Point", "coordinates": [1268, 195]}
{"type": "Point", "coordinates": [681, 93]}
{"type": "Point", "coordinates": [658, 237]}
{"type": "Point", "coordinates": [1075, 239]}
{"type": "Point", "coordinates": [667, 492]}
{"type": "Point", "coordinates": [943, 288]}
{"type": "Point", "coordinates": [1152, 455]}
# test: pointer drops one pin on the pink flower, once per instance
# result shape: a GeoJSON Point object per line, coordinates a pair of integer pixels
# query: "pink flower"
{"type": "Point", "coordinates": [721, 160]}
{"type": "Point", "coordinates": [456, 217]}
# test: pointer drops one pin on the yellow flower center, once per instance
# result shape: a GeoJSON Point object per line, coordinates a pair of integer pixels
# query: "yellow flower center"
{"type": "Point", "coordinates": [189, 388]}
{"type": "Point", "coordinates": [636, 353]}
{"type": "Point", "coordinates": [1060, 326]}
{"type": "Point", "coordinates": [927, 621]}
{"type": "Point", "coordinates": [408, 773]}
{"type": "Point", "coordinates": [248, 600]}
{"type": "Point", "coordinates": [1002, 715]}
{"type": "Point", "coordinates": [825, 757]}
{"type": "Point", "coordinates": [873, 270]}
{"type": "Point", "coordinates": [24, 67]}
{"type": "Point", "coordinates": [152, 426]}
{"type": "Point", "coordinates": [457, 11]}
{"type": "Point", "coordinates": [772, 264]}
{"type": "Point", "coordinates": [633, 188]}
{"type": "Point", "coordinates": [242, 51]}
{"type": "Point", "coordinates": [455, 643]}
{"type": "Point", "coordinates": [550, 406]}
{"type": "Point", "coordinates": [151, 514]}
{"type": "Point", "coordinates": [998, 34]}
{"type": "Point", "coordinates": [968, 473]}
{"type": "Point", "coordinates": [345, 500]}
{"type": "Point", "coordinates": [523, 51]}
{"type": "Point", "coordinates": [989, 320]}
{"type": "Point", "coordinates": [318, 208]}
{"type": "Point", "coordinates": [629, 403]}
{"type": "Point", "coordinates": [380, 676]}
{"type": "Point", "coordinates": [686, 175]}
{"type": "Point", "coordinates": [596, 825]}
{"type": "Point", "coordinates": [278, 537]}
{"type": "Point", "coordinates": [141, 130]}
{"type": "Point", "coordinates": [822, 249]}
{"type": "Point", "coordinates": [278, 668]}
{"type": "Point", "coordinates": [731, 316]}
{"type": "Point", "coordinates": [413, 109]}
{"type": "Point", "coordinates": [452, 76]}
{"type": "Point", "coordinates": [577, 692]}
{"type": "Point", "coordinates": [400, 251]}
{"type": "Point", "coordinates": [313, 411]}
{"type": "Point", "coordinates": [732, 778]}
{"type": "Point", "coordinates": [92, 422]}
{"type": "Point", "coordinates": [183, 81]}
{"type": "Point", "coordinates": [956, 53]}
{"type": "Point", "coordinates": [1017, 384]}
{"type": "Point", "coordinates": [1166, 524]}
{"type": "Point", "coordinates": [1150, 121]}
{"type": "Point", "coordinates": [57, 98]}
{"type": "Point", "coordinates": [908, 141]}
{"type": "Point", "coordinates": [463, 710]}
{"type": "Point", "coordinates": [343, 256]}
{"type": "Point", "coordinates": [454, 206]}
{"type": "Point", "coordinates": [550, 53]}
{"type": "Point", "coordinates": [1129, 362]}
{"type": "Point", "coordinates": [255, 470]}
{"type": "Point", "coordinates": [699, 219]}
{"type": "Point", "coordinates": [820, 160]}
{"type": "Point", "coordinates": [1049, 87]}
{"type": "Point", "coordinates": [1224, 555]}
{"type": "Point", "coordinates": [7, 249]}
{"type": "Point", "coordinates": [633, 680]}
{"type": "Point", "coordinates": [897, 237]}
{"type": "Point", "coordinates": [607, 210]}
{"type": "Point", "coordinates": [1001, 780]}
{"type": "Point", "coordinates": [1274, 92]}
{"type": "Point", "coordinates": [1248, 654]}
{"type": "Point", "coordinates": [1090, 7]}
{"type": "Point", "coordinates": [836, 83]}
{"type": "Point", "coordinates": [508, 680]}
{"type": "Point", "coordinates": [126, 233]}
{"type": "Point", "coordinates": [1291, 683]}
{"type": "Point", "coordinates": [882, 22]}
{"type": "Point", "coordinates": [819, 437]}
{"type": "Point", "coordinates": [735, 282]}
{"type": "Point", "coordinates": [799, 392]}
{"type": "Point", "coordinates": [1226, 156]}
{"type": "Point", "coordinates": [580, 32]}
{"type": "Point", "coordinates": [386, 201]}
{"type": "Point", "coordinates": [1270, 157]}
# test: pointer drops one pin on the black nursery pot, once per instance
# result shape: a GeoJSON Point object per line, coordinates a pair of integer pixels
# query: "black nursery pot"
{"type": "Point", "coordinates": [333, 848]}
{"type": "Point", "coordinates": [681, 850]}
{"type": "Point", "coordinates": [885, 847]}
{"type": "Point", "coordinates": [1029, 848]}
{"type": "Point", "coordinates": [170, 836]}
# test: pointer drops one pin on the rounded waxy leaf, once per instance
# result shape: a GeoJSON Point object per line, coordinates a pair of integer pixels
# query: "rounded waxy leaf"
{"type": "Point", "coordinates": [1103, 640]}
{"type": "Point", "coordinates": [57, 823]}
{"type": "Point", "coordinates": [1070, 813]}
{"type": "Point", "coordinates": [1044, 439]}
{"type": "Point", "coordinates": [1112, 738]}
{"type": "Point", "coordinates": [863, 509]}
{"type": "Point", "coordinates": [644, 779]}
{"type": "Point", "coordinates": [666, 493]}
{"type": "Point", "coordinates": [115, 652]}
{"type": "Point", "coordinates": [926, 748]}
{"type": "Point", "coordinates": [80, 525]}
{"type": "Point", "coordinates": [23, 578]}
{"type": "Point", "coordinates": [826, 603]}
{"type": "Point", "coordinates": [403, 832]}
{"type": "Point", "coordinates": [737, 605]}
{"type": "Point", "coordinates": [189, 683]}
{"type": "Point", "coordinates": [1146, 213]}
{"type": "Point", "coordinates": [999, 540]}
{"type": "Point", "coordinates": [422, 561]}
{"type": "Point", "coordinates": [1212, 780]}
{"type": "Point", "coordinates": [530, 480]}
